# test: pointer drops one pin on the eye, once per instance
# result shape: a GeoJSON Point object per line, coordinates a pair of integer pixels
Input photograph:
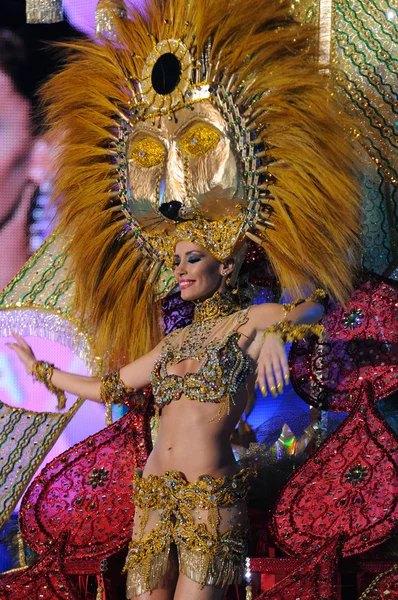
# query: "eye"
{"type": "Point", "coordinates": [199, 140]}
{"type": "Point", "coordinates": [147, 152]}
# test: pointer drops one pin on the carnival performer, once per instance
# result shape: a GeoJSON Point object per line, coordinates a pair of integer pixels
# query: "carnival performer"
{"type": "Point", "coordinates": [191, 492]}
{"type": "Point", "coordinates": [194, 129]}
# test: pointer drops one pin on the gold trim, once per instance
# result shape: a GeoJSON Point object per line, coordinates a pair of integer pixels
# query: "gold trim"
{"type": "Point", "coordinates": [149, 94]}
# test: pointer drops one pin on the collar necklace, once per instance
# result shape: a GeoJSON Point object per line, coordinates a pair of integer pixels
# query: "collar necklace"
{"type": "Point", "coordinates": [219, 305]}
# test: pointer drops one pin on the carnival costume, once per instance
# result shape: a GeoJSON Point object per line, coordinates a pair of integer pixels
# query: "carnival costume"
{"type": "Point", "coordinates": [196, 124]}
{"type": "Point", "coordinates": [195, 140]}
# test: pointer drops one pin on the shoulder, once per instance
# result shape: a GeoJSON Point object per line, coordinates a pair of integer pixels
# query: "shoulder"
{"type": "Point", "coordinates": [174, 336]}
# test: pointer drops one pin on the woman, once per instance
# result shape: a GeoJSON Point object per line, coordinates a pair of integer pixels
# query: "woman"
{"type": "Point", "coordinates": [215, 358]}
{"type": "Point", "coordinates": [197, 129]}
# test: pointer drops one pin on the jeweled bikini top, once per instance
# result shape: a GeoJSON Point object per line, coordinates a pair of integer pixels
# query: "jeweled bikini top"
{"type": "Point", "coordinates": [223, 366]}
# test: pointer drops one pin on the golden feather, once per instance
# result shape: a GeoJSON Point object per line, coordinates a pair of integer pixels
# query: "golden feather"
{"type": "Point", "coordinates": [312, 161]}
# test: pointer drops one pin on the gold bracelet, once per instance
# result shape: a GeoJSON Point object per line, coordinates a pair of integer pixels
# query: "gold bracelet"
{"type": "Point", "coordinates": [113, 390]}
{"type": "Point", "coordinates": [43, 371]}
{"type": "Point", "coordinates": [286, 332]}
{"type": "Point", "coordinates": [316, 296]}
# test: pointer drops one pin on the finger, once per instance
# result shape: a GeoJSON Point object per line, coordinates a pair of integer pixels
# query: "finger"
{"type": "Point", "coordinates": [20, 340]}
{"type": "Point", "coordinates": [261, 378]}
{"type": "Point", "coordinates": [278, 375]}
{"type": "Point", "coordinates": [285, 368]}
{"type": "Point", "coordinates": [17, 350]}
{"type": "Point", "coordinates": [13, 346]}
{"type": "Point", "coordinates": [271, 380]}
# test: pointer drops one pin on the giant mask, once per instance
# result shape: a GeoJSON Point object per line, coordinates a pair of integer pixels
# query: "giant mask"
{"type": "Point", "coordinates": [206, 121]}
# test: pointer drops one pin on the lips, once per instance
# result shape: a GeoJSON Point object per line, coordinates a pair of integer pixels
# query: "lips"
{"type": "Point", "coordinates": [186, 283]}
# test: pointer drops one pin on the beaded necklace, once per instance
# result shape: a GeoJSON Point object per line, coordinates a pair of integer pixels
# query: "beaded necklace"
{"type": "Point", "coordinates": [206, 316]}
{"type": "Point", "coordinates": [219, 305]}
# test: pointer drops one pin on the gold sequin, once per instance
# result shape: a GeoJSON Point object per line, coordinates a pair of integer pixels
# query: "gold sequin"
{"type": "Point", "coordinates": [147, 152]}
{"type": "Point", "coordinates": [223, 364]}
{"type": "Point", "coordinates": [199, 140]}
{"type": "Point", "coordinates": [113, 390]}
{"type": "Point", "coordinates": [218, 556]}
{"type": "Point", "coordinates": [219, 305]}
{"type": "Point", "coordinates": [287, 332]}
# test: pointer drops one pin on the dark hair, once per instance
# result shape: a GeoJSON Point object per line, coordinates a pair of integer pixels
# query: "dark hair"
{"type": "Point", "coordinates": [14, 61]}
{"type": "Point", "coordinates": [27, 54]}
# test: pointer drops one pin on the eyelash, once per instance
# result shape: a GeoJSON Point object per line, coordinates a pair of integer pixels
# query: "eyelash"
{"type": "Point", "coordinates": [190, 260]}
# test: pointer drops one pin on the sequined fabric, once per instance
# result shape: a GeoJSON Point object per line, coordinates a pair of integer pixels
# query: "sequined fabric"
{"type": "Point", "coordinates": [87, 492]}
{"type": "Point", "coordinates": [223, 366]}
{"type": "Point", "coordinates": [203, 518]}
{"type": "Point", "coordinates": [361, 344]}
{"type": "Point", "coordinates": [114, 391]}
{"type": "Point", "coordinates": [315, 579]}
{"type": "Point", "coordinates": [176, 313]}
{"type": "Point", "coordinates": [348, 488]}
{"type": "Point", "coordinates": [47, 579]}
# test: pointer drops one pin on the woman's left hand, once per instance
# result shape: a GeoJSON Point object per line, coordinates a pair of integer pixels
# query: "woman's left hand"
{"type": "Point", "coordinates": [272, 366]}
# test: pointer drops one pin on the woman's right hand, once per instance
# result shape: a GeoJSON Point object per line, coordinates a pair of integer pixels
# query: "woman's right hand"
{"type": "Point", "coordinates": [24, 351]}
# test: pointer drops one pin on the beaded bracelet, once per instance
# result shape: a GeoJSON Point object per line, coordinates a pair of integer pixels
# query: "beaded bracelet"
{"type": "Point", "coordinates": [43, 371]}
{"type": "Point", "coordinates": [113, 391]}
{"type": "Point", "coordinates": [316, 296]}
{"type": "Point", "coordinates": [286, 332]}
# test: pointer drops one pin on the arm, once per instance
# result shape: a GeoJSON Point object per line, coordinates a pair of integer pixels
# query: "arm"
{"type": "Point", "coordinates": [135, 375]}
{"type": "Point", "coordinates": [264, 315]}
{"type": "Point", "coordinates": [272, 365]}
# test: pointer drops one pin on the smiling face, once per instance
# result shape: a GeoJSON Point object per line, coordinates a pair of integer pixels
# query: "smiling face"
{"type": "Point", "coordinates": [189, 159]}
{"type": "Point", "coordinates": [198, 273]}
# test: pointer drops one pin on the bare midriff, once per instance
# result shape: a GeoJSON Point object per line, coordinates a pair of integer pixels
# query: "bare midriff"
{"type": "Point", "coordinates": [194, 437]}
{"type": "Point", "coordinates": [194, 440]}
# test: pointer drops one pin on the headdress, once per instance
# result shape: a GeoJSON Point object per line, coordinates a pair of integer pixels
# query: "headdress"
{"type": "Point", "coordinates": [298, 197]}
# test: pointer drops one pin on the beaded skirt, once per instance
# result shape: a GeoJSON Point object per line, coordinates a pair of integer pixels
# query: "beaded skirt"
{"type": "Point", "coordinates": [206, 520]}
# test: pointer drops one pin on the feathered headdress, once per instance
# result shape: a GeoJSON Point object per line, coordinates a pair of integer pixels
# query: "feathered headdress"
{"type": "Point", "coordinates": [257, 66]}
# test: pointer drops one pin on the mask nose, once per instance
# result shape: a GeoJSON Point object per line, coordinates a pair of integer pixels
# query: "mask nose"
{"type": "Point", "coordinates": [171, 210]}
{"type": "Point", "coordinates": [172, 192]}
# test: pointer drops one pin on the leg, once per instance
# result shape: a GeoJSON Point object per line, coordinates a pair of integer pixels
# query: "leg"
{"type": "Point", "coordinates": [212, 560]}
{"type": "Point", "coordinates": [152, 563]}
{"type": "Point", "coordinates": [169, 581]}
{"type": "Point", "coordinates": [186, 588]}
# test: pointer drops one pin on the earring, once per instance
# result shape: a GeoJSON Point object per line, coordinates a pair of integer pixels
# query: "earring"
{"type": "Point", "coordinates": [223, 273]}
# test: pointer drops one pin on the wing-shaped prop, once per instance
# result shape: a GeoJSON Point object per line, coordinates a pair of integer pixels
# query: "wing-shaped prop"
{"type": "Point", "coordinates": [37, 302]}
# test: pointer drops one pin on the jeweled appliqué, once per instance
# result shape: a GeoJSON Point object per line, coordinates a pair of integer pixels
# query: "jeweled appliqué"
{"type": "Point", "coordinates": [222, 371]}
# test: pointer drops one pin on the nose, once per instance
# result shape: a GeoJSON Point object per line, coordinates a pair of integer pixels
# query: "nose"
{"type": "Point", "coordinates": [172, 187]}
{"type": "Point", "coordinates": [171, 210]}
{"type": "Point", "coordinates": [180, 270]}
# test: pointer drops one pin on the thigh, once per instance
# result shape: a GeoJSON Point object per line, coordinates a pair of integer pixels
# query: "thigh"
{"type": "Point", "coordinates": [186, 588]}
{"type": "Point", "coordinates": [168, 582]}
{"type": "Point", "coordinates": [152, 562]}
{"type": "Point", "coordinates": [212, 546]}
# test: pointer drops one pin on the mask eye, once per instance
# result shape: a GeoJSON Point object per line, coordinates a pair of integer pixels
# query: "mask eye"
{"type": "Point", "coordinates": [147, 152]}
{"type": "Point", "coordinates": [199, 140]}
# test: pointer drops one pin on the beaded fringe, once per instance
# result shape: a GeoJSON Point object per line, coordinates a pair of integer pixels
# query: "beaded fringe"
{"type": "Point", "coordinates": [148, 575]}
{"type": "Point", "coordinates": [44, 11]}
{"type": "Point", "coordinates": [208, 570]}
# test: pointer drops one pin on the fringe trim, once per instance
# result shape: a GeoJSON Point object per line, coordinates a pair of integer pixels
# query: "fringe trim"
{"type": "Point", "coordinates": [49, 326]}
{"type": "Point", "coordinates": [44, 11]}
{"type": "Point", "coordinates": [148, 575]}
{"type": "Point", "coordinates": [208, 570]}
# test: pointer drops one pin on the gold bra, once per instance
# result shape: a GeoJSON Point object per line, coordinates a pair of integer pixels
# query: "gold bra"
{"type": "Point", "coordinates": [223, 368]}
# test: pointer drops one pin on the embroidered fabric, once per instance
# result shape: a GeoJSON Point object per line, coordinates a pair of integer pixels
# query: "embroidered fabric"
{"type": "Point", "coordinates": [207, 521]}
{"type": "Point", "coordinates": [222, 365]}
